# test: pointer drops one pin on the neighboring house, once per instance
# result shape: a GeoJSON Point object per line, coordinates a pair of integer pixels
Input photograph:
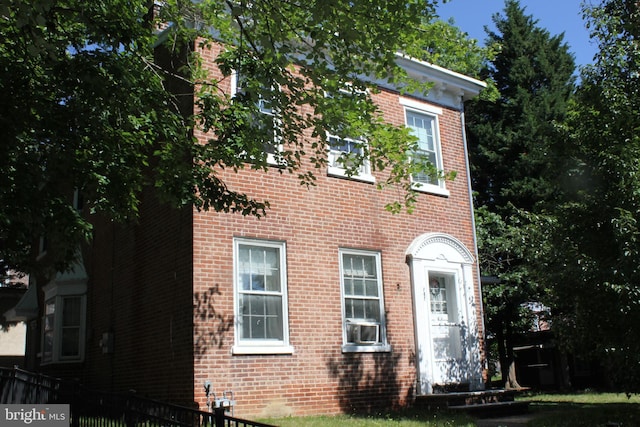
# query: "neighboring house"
{"type": "Point", "coordinates": [12, 340]}
{"type": "Point", "coordinates": [13, 329]}
{"type": "Point", "coordinates": [328, 304]}
{"type": "Point", "coordinates": [542, 364]}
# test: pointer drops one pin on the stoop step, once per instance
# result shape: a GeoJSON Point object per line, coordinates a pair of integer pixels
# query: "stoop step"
{"type": "Point", "coordinates": [484, 403]}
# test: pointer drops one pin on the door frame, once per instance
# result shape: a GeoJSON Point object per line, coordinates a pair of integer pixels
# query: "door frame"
{"type": "Point", "coordinates": [442, 253]}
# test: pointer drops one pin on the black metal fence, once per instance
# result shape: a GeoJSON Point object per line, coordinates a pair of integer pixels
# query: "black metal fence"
{"type": "Point", "coordinates": [91, 408]}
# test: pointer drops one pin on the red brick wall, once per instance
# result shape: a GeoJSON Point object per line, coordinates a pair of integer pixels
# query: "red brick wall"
{"type": "Point", "coordinates": [140, 289]}
{"type": "Point", "coordinates": [164, 287]}
{"type": "Point", "coordinates": [315, 223]}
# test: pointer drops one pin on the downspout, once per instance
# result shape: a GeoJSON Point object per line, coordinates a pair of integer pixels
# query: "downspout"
{"type": "Point", "coordinates": [473, 224]}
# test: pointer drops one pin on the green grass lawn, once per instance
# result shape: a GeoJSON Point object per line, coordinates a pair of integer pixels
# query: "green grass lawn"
{"type": "Point", "coordinates": [584, 410]}
{"type": "Point", "coordinates": [404, 419]}
{"type": "Point", "coordinates": [549, 410]}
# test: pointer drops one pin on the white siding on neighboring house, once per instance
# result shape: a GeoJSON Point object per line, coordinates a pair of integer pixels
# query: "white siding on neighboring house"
{"type": "Point", "coordinates": [12, 340]}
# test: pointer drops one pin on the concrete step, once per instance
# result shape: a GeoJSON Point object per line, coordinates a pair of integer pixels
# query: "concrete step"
{"type": "Point", "coordinates": [499, 400]}
{"type": "Point", "coordinates": [469, 398]}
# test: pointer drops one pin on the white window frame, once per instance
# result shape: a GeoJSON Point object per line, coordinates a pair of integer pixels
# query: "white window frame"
{"type": "Point", "coordinates": [421, 108]}
{"type": "Point", "coordinates": [272, 159]}
{"type": "Point", "coordinates": [349, 347]}
{"type": "Point", "coordinates": [337, 169]}
{"type": "Point", "coordinates": [260, 346]}
{"type": "Point", "coordinates": [57, 295]}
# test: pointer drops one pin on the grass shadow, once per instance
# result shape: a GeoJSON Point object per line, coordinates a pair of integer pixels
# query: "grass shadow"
{"type": "Point", "coordinates": [584, 410]}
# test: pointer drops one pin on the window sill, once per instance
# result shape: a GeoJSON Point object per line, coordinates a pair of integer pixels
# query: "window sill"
{"type": "Point", "coordinates": [431, 189]}
{"type": "Point", "coordinates": [353, 348]}
{"type": "Point", "coordinates": [340, 173]}
{"type": "Point", "coordinates": [257, 350]}
{"type": "Point", "coordinates": [274, 162]}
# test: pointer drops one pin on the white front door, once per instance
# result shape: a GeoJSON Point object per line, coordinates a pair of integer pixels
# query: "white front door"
{"type": "Point", "coordinates": [447, 341]}
{"type": "Point", "coordinates": [445, 326]}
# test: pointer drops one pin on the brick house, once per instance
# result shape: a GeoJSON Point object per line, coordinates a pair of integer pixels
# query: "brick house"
{"type": "Point", "coordinates": [328, 304]}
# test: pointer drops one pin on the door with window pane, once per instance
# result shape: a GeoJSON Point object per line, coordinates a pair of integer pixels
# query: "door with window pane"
{"type": "Point", "coordinates": [445, 326]}
{"type": "Point", "coordinates": [442, 344]}
{"type": "Point", "coordinates": [448, 353]}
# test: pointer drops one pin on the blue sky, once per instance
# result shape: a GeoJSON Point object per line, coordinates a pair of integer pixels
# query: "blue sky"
{"type": "Point", "coordinates": [556, 16]}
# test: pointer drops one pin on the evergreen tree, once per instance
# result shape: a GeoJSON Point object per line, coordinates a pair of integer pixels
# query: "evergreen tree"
{"type": "Point", "coordinates": [514, 152]}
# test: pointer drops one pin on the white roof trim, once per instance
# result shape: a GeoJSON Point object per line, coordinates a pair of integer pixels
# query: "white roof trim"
{"type": "Point", "coordinates": [425, 71]}
{"type": "Point", "coordinates": [449, 88]}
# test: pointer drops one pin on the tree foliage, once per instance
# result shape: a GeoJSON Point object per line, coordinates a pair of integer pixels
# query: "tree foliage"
{"type": "Point", "coordinates": [90, 105]}
{"type": "Point", "coordinates": [515, 145]}
{"type": "Point", "coordinates": [83, 108]}
{"type": "Point", "coordinates": [450, 47]}
{"type": "Point", "coordinates": [597, 234]}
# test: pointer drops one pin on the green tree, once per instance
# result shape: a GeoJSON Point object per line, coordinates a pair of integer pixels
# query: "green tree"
{"type": "Point", "coordinates": [515, 143]}
{"type": "Point", "coordinates": [450, 47]}
{"type": "Point", "coordinates": [97, 99]}
{"type": "Point", "coordinates": [596, 249]}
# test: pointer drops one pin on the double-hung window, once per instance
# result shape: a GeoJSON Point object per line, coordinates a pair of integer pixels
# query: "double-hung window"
{"type": "Point", "coordinates": [422, 120]}
{"type": "Point", "coordinates": [347, 153]}
{"type": "Point", "coordinates": [63, 324]}
{"type": "Point", "coordinates": [364, 326]}
{"type": "Point", "coordinates": [64, 317]}
{"type": "Point", "coordinates": [343, 152]}
{"type": "Point", "coordinates": [260, 282]}
{"type": "Point", "coordinates": [266, 121]}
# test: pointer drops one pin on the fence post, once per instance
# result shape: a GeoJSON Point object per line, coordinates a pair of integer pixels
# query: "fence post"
{"type": "Point", "coordinates": [218, 416]}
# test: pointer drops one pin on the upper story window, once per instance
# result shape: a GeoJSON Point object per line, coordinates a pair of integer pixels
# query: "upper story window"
{"type": "Point", "coordinates": [364, 326]}
{"type": "Point", "coordinates": [347, 153]}
{"type": "Point", "coordinates": [63, 324]}
{"type": "Point", "coordinates": [343, 152]}
{"type": "Point", "coordinates": [267, 121]}
{"type": "Point", "coordinates": [422, 120]}
{"type": "Point", "coordinates": [260, 283]}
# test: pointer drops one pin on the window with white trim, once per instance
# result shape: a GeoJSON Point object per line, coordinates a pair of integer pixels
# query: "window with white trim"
{"type": "Point", "coordinates": [63, 324]}
{"type": "Point", "coordinates": [422, 120]}
{"type": "Point", "coordinates": [343, 152]}
{"type": "Point", "coordinates": [260, 283]}
{"type": "Point", "coordinates": [364, 327]}
{"type": "Point", "coordinates": [267, 120]}
{"type": "Point", "coordinates": [347, 153]}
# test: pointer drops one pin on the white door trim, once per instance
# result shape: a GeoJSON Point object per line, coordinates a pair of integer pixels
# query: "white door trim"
{"type": "Point", "coordinates": [443, 254]}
